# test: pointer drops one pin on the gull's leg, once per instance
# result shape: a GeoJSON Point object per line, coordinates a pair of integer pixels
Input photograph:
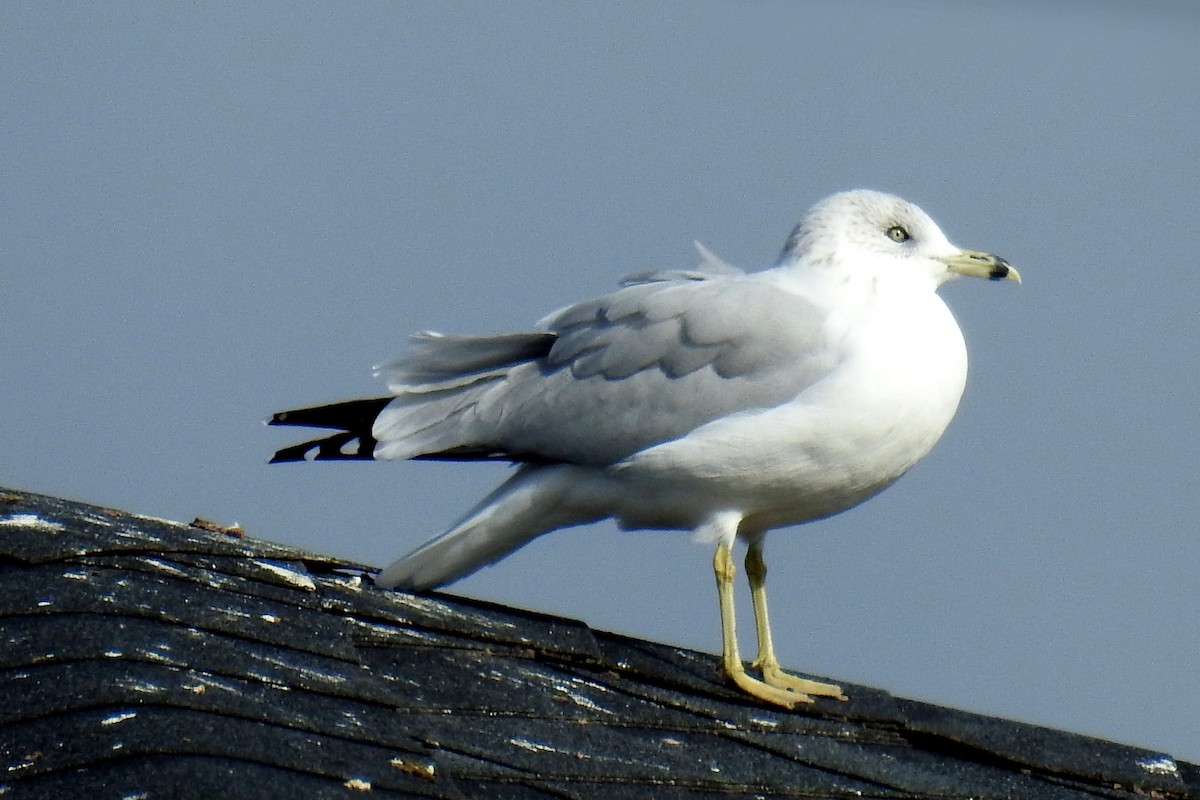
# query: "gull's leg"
{"type": "Point", "coordinates": [730, 660]}
{"type": "Point", "coordinates": [773, 674]}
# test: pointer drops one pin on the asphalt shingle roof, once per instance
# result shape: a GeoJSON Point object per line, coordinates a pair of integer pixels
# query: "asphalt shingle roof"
{"type": "Point", "coordinates": [146, 658]}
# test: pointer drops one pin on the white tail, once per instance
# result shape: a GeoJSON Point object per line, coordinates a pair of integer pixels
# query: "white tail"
{"type": "Point", "coordinates": [534, 501]}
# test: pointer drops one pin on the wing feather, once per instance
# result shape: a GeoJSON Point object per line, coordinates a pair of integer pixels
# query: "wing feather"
{"type": "Point", "coordinates": [666, 362]}
{"type": "Point", "coordinates": [607, 377]}
{"type": "Point", "coordinates": [435, 360]}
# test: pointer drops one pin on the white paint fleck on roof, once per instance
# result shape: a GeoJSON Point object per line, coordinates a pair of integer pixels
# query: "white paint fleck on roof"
{"type": "Point", "coordinates": [1160, 765]}
{"type": "Point", "coordinates": [113, 719]}
{"type": "Point", "coordinates": [32, 521]}
{"type": "Point", "coordinates": [289, 576]}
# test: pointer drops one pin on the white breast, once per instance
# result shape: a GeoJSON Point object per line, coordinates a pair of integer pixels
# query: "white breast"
{"type": "Point", "coordinates": [837, 444]}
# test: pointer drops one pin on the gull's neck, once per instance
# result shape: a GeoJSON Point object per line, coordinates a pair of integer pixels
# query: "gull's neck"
{"type": "Point", "coordinates": [870, 282]}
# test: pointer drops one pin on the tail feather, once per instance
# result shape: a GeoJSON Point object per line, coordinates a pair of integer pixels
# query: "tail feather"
{"type": "Point", "coordinates": [534, 501]}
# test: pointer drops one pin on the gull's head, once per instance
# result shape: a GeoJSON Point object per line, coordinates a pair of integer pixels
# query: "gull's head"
{"type": "Point", "coordinates": [882, 237]}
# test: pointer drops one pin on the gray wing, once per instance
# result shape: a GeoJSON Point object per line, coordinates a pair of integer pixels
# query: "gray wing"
{"type": "Point", "coordinates": [611, 376]}
{"type": "Point", "coordinates": [711, 266]}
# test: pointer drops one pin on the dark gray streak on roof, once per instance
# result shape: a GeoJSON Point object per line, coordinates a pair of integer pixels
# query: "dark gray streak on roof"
{"type": "Point", "coordinates": [142, 657]}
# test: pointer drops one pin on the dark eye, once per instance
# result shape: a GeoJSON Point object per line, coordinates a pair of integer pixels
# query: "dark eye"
{"type": "Point", "coordinates": [897, 234]}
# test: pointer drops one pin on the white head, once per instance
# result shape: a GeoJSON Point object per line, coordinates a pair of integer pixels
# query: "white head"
{"type": "Point", "coordinates": [885, 236]}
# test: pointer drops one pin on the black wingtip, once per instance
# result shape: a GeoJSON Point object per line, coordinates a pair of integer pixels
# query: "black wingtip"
{"type": "Point", "coordinates": [348, 415]}
{"type": "Point", "coordinates": [353, 421]}
{"type": "Point", "coordinates": [345, 446]}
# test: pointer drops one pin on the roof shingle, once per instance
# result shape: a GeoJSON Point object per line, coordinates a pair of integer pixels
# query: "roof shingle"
{"type": "Point", "coordinates": [144, 657]}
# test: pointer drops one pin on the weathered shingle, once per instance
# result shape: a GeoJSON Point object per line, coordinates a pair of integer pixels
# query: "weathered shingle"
{"type": "Point", "coordinates": [147, 658]}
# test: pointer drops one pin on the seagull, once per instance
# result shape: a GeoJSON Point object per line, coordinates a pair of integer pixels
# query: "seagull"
{"type": "Point", "coordinates": [712, 400]}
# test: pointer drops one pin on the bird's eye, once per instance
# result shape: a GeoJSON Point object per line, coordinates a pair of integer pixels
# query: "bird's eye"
{"type": "Point", "coordinates": [897, 234]}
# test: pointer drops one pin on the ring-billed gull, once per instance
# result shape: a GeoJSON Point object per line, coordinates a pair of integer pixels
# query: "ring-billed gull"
{"type": "Point", "coordinates": [712, 400]}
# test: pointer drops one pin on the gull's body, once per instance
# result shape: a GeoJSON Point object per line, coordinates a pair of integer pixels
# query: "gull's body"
{"type": "Point", "coordinates": [714, 401]}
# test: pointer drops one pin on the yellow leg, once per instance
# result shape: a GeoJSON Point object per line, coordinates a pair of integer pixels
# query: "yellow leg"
{"type": "Point", "coordinates": [732, 662]}
{"type": "Point", "coordinates": [767, 662]}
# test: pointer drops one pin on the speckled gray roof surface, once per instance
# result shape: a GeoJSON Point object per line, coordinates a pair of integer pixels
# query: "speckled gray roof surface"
{"type": "Point", "coordinates": [142, 658]}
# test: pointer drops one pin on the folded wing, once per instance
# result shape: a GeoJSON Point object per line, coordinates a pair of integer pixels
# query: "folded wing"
{"type": "Point", "coordinates": [608, 377]}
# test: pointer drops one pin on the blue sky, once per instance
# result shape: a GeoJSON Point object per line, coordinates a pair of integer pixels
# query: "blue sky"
{"type": "Point", "coordinates": [212, 212]}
